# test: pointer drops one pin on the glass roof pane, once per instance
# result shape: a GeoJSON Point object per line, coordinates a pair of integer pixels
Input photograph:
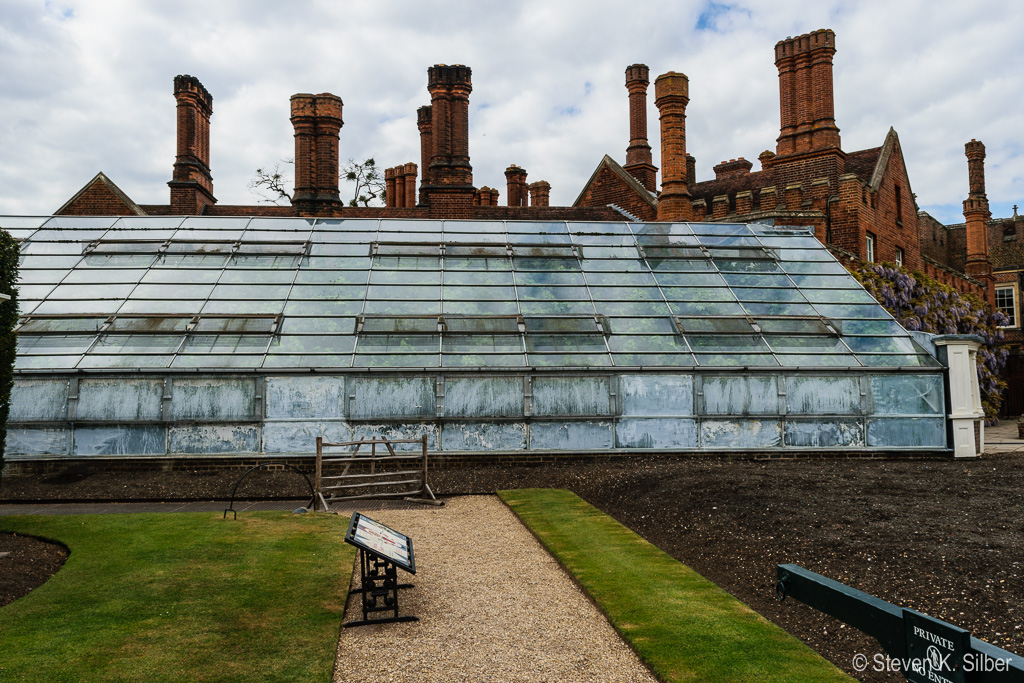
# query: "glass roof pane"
{"type": "Point", "coordinates": [458, 250]}
{"type": "Point", "coordinates": [584, 343]}
{"type": "Point", "coordinates": [698, 294]}
{"type": "Point", "coordinates": [391, 277]}
{"type": "Point", "coordinates": [598, 240]}
{"type": "Point", "coordinates": [632, 308]}
{"type": "Point", "coordinates": [422, 262]}
{"type": "Point", "coordinates": [334, 343]}
{"type": "Point", "coordinates": [391, 225]}
{"type": "Point", "coordinates": [851, 311]}
{"type": "Point", "coordinates": [644, 325]}
{"type": "Point", "coordinates": [112, 275]}
{"type": "Point", "coordinates": [252, 307]}
{"type": "Point", "coordinates": [726, 342]}
{"type": "Point", "coordinates": [407, 292]}
{"type": "Point", "coordinates": [455, 324]}
{"type": "Point", "coordinates": [687, 241]}
{"type": "Point", "coordinates": [690, 279]}
{"type": "Point", "coordinates": [884, 327]}
{"type": "Point", "coordinates": [125, 361]}
{"type": "Point", "coordinates": [138, 343]}
{"type": "Point", "coordinates": [478, 293]}
{"type": "Point", "coordinates": [655, 359]}
{"type": "Point", "coordinates": [307, 361]}
{"type": "Point", "coordinates": [541, 278]}
{"type": "Point", "coordinates": [61, 325]}
{"type": "Point", "coordinates": [895, 360]}
{"type": "Point", "coordinates": [260, 277]}
{"type": "Point", "coordinates": [736, 359]}
{"type": "Point", "coordinates": [626, 293]}
{"type": "Point", "coordinates": [226, 343]}
{"type": "Point", "coordinates": [882, 344]}
{"type": "Point", "coordinates": [575, 325]}
{"type": "Point", "coordinates": [399, 343]}
{"type": "Point", "coordinates": [384, 324]}
{"type": "Point", "coordinates": [461, 360]}
{"type": "Point", "coordinates": [608, 252]}
{"type": "Point", "coordinates": [661, 229]}
{"type": "Point", "coordinates": [323, 307]}
{"type": "Point", "coordinates": [649, 343]}
{"type": "Point", "coordinates": [346, 224]}
{"type": "Point", "coordinates": [839, 296]}
{"type": "Point", "coordinates": [748, 266]}
{"type": "Point", "coordinates": [242, 324]}
{"type": "Point", "coordinates": [479, 307]}
{"type": "Point", "coordinates": [250, 291]}
{"type": "Point", "coordinates": [478, 277]}
{"type": "Point", "coordinates": [171, 291]}
{"type": "Point", "coordinates": [715, 325]}
{"type": "Point", "coordinates": [792, 326]}
{"type": "Point", "coordinates": [556, 307]}
{"type": "Point", "coordinates": [816, 268]}
{"type": "Point", "coordinates": [557, 293]}
{"type": "Point", "coordinates": [296, 325]}
{"type": "Point", "coordinates": [482, 343]}
{"type": "Point", "coordinates": [180, 247]}
{"type": "Point", "coordinates": [321, 236]}
{"type": "Point", "coordinates": [395, 360]}
{"type": "Point", "coordinates": [149, 324]}
{"type": "Point", "coordinates": [474, 227]}
{"type": "Point", "coordinates": [25, 362]}
{"type": "Point", "coordinates": [527, 263]}
{"type": "Point", "coordinates": [221, 223]}
{"type": "Point", "coordinates": [217, 361]}
{"type": "Point", "coordinates": [282, 224]}
{"type": "Point", "coordinates": [54, 344]}
{"type": "Point", "coordinates": [179, 306]}
{"type": "Point", "coordinates": [86, 224]}
{"type": "Point", "coordinates": [188, 261]}
{"type": "Point", "coordinates": [834, 360]}
{"type": "Point", "coordinates": [720, 229]}
{"type": "Point", "coordinates": [663, 265]}
{"type": "Point", "coordinates": [91, 292]}
{"type": "Point", "coordinates": [569, 359]}
{"type": "Point", "coordinates": [327, 249]}
{"type": "Point", "coordinates": [539, 238]}
{"type": "Point", "coordinates": [778, 309]}
{"type": "Point", "coordinates": [146, 224]}
{"type": "Point", "coordinates": [706, 308]}
{"type": "Point", "coordinates": [337, 262]}
{"type": "Point", "coordinates": [805, 344]}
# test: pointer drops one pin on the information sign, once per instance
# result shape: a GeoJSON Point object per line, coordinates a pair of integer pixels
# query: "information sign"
{"type": "Point", "coordinates": [381, 541]}
{"type": "Point", "coordinates": [935, 649]}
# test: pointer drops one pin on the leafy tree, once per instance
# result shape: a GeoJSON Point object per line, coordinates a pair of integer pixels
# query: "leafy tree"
{"type": "Point", "coordinates": [273, 185]}
{"type": "Point", "coordinates": [8, 319]}
{"type": "Point", "coordinates": [923, 304]}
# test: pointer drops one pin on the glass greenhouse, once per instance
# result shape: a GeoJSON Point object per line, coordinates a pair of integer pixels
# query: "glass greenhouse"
{"type": "Point", "coordinates": [175, 336]}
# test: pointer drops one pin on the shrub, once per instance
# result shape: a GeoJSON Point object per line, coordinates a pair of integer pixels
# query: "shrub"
{"type": "Point", "coordinates": [924, 304]}
{"type": "Point", "coordinates": [8, 318]}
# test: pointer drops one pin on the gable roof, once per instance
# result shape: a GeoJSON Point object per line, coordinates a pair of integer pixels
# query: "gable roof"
{"type": "Point", "coordinates": [102, 184]}
{"type": "Point", "coordinates": [612, 165]}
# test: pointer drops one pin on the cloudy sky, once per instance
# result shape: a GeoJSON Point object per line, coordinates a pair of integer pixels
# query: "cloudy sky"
{"type": "Point", "coordinates": [86, 85]}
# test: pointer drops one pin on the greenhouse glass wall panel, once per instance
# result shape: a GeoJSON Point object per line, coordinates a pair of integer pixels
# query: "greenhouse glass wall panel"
{"type": "Point", "coordinates": [175, 336]}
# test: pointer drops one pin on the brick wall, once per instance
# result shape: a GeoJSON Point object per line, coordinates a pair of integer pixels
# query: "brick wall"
{"type": "Point", "coordinates": [609, 188]}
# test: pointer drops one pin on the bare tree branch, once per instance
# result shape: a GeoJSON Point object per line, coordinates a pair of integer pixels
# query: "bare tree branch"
{"type": "Point", "coordinates": [271, 185]}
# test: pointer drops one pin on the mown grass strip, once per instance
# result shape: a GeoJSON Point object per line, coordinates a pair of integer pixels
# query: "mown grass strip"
{"type": "Point", "coordinates": [184, 596]}
{"type": "Point", "coordinates": [682, 625]}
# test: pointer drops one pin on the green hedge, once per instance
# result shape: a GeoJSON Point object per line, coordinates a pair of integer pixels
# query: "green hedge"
{"type": "Point", "coordinates": [8, 318]}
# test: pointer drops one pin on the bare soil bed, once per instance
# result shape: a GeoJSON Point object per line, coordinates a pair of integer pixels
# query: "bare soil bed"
{"type": "Point", "coordinates": [942, 537]}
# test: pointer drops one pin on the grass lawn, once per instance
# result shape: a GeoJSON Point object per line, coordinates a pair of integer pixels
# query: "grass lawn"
{"type": "Point", "coordinates": [682, 625]}
{"type": "Point", "coordinates": [183, 596]}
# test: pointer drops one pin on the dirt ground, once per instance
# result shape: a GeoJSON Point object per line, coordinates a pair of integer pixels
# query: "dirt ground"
{"type": "Point", "coordinates": [945, 538]}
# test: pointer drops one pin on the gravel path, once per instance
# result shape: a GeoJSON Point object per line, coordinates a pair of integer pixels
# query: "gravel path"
{"type": "Point", "coordinates": [492, 604]}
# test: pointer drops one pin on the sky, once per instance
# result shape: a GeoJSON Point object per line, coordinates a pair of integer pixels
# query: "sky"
{"type": "Point", "coordinates": [87, 86]}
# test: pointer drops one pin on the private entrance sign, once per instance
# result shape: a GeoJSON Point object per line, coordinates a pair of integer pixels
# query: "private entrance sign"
{"type": "Point", "coordinates": [922, 648]}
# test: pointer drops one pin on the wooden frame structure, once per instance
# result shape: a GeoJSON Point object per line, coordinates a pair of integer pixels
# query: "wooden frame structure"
{"type": "Point", "coordinates": [409, 477]}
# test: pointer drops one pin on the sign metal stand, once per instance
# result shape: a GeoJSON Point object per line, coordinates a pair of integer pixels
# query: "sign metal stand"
{"type": "Point", "coordinates": [382, 551]}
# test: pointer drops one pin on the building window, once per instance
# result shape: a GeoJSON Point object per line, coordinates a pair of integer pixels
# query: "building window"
{"type": "Point", "coordinates": [899, 256]}
{"type": "Point", "coordinates": [899, 207]}
{"type": "Point", "coordinates": [869, 248]}
{"type": "Point", "coordinates": [1006, 302]}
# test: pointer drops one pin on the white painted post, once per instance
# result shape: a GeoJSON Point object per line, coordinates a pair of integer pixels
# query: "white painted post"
{"type": "Point", "coordinates": [959, 352]}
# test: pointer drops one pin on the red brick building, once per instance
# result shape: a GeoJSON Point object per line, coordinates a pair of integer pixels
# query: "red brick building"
{"type": "Point", "coordinates": [860, 203]}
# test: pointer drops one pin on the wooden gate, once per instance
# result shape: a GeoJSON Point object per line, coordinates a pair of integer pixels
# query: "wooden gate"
{"type": "Point", "coordinates": [379, 471]}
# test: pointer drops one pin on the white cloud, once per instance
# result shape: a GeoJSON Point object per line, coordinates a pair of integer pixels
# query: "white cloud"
{"type": "Point", "coordinates": [86, 86]}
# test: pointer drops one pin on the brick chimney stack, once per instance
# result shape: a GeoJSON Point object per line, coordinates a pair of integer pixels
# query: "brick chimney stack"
{"type": "Point", "coordinates": [450, 190]}
{"type": "Point", "coordinates": [191, 183]}
{"type": "Point", "coordinates": [805, 93]}
{"type": "Point", "coordinates": [638, 154]}
{"type": "Point", "coordinates": [425, 122]}
{"type": "Point", "coordinates": [540, 193]}
{"type": "Point", "coordinates": [317, 123]}
{"type": "Point", "coordinates": [671, 95]}
{"type": "Point", "coordinates": [977, 215]}
{"type": "Point", "coordinates": [515, 180]}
